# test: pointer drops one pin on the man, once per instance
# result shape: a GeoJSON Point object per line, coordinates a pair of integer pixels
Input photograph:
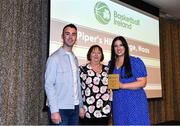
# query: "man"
{"type": "Point", "coordinates": [62, 82]}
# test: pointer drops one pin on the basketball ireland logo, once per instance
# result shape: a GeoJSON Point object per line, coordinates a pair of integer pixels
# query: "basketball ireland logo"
{"type": "Point", "coordinates": [102, 13]}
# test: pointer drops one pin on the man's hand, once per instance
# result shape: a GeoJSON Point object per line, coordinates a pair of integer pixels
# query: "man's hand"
{"type": "Point", "coordinates": [81, 112]}
{"type": "Point", "coordinates": [56, 118]}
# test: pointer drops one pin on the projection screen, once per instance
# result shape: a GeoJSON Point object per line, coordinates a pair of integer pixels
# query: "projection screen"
{"type": "Point", "coordinates": [99, 21]}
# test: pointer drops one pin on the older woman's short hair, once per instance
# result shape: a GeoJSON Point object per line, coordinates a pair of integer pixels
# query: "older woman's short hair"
{"type": "Point", "coordinates": [90, 51]}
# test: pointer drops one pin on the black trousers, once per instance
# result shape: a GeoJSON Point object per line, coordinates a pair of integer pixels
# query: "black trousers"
{"type": "Point", "coordinates": [94, 121]}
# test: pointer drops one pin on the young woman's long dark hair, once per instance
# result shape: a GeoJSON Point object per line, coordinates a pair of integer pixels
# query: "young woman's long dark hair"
{"type": "Point", "coordinates": [126, 63]}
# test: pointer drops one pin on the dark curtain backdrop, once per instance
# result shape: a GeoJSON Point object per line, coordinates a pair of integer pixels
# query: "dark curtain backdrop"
{"type": "Point", "coordinates": [23, 52]}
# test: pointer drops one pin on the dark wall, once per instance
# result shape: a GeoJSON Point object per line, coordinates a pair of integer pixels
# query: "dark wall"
{"type": "Point", "coordinates": [168, 107]}
{"type": "Point", "coordinates": [23, 52]}
{"type": "Point", "coordinates": [143, 6]}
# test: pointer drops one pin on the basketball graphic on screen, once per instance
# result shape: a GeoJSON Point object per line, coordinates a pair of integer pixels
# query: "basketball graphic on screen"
{"type": "Point", "coordinates": [102, 13]}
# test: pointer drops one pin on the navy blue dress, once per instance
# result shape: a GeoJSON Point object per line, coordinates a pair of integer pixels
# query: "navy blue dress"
{"type": "Point", "coordinates": [130, 107]}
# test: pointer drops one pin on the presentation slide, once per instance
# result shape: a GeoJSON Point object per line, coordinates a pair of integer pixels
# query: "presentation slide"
{"type": "Point", "coordinates": [99, 21]}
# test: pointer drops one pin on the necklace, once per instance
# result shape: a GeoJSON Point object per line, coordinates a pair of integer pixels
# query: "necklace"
{"type": "Point", "coordinates": [97, 68]}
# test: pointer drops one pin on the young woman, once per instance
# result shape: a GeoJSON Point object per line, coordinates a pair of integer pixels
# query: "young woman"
{"type": "Point", "coordinates": [129, 105]}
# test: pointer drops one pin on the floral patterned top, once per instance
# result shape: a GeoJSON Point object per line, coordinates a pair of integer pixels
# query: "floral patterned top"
{"type": "Point", "coordinates": [95, 92]}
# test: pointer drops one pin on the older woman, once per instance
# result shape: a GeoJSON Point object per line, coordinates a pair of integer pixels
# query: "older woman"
{"type": "Point", "coordinates": [95, 90]}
